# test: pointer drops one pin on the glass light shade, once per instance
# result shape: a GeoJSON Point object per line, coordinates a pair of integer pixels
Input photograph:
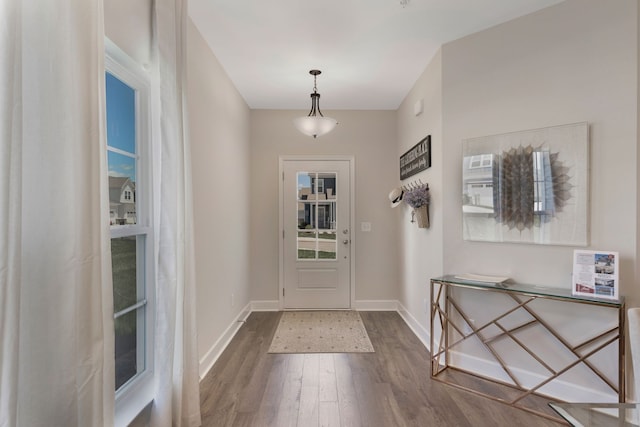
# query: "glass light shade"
{"type": "Point", "coordinates": [315, 125]}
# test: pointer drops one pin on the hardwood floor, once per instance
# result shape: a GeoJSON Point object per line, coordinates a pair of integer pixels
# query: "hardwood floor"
{"type": "Point", "coordinates": [388, 388]}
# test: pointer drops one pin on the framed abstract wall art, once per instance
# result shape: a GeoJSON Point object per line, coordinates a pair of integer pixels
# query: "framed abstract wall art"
{"type": "Point", "coordinates": [527, 187]}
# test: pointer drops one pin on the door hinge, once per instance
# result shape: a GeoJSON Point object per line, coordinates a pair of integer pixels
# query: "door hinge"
{"type": "Point", "coordinates": [283, 176]}
{"type": "Point", "coordinates": [282, 291]}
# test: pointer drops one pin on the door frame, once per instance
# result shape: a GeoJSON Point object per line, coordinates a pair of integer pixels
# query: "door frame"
{"type": "Point", "coordinates": [352, 219]}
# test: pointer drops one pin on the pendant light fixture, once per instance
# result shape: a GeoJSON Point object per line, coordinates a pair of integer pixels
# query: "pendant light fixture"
{"type": "Point", "coordinates": [315, 124]}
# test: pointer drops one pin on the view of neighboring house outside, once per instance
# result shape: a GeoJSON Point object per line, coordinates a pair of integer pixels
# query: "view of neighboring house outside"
{"type": "Point", "coordinates": [122, 200]}
{"type": "Point", "coordinates": [127, 89]}
{"type": "Point", "coordinates": [326, 194]}
{"type": "Point", "coordinates": [317, 202]}
{"type": "Point", "coordinates": [478, 188]}
{"type": "Point", "coordinates": [483, 184]}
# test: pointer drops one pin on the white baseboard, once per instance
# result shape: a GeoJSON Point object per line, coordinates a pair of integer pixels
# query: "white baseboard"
{"type": "Point", "coordinates": [210, 357]}
{"type": "Point", "coordinates": [376, 305]}
{"type": "Point", "coordinates": [265, 305]}
{"type": "Point", "coordinates": [361, 305]}
{"type": "Point", "coordinates": [418, 330]}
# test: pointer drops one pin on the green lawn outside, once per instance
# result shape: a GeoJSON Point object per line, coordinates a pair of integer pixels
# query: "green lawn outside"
{"type": "Point", "coordinates": [123, 265]}
{"type": "Point", "coordinates": [310, 254]}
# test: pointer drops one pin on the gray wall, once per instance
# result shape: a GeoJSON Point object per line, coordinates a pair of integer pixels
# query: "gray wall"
{"type": "Point", "coordinates": [128, 24]}
{"type": "Point", "coordinates": [420, 255]}
{"type": "Point", "coordinates": [367, 135]}
{"type": "Point", "coordinates": [219, 133]}
{"type": "Point", "coordinates": [573, 62]}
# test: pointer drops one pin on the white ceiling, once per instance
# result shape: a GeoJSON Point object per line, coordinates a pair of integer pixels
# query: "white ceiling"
{"type": "Point", "coordinates": [370, 52]}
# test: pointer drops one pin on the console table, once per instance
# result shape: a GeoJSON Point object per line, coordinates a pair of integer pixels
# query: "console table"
{"type": "Point", "coordinates": [599, 414]}
{"type": "Point", "coordinates": [450, 326]}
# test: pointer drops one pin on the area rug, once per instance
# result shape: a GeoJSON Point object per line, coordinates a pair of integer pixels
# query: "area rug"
{"type": "Point", "coordinates": [321, 332]}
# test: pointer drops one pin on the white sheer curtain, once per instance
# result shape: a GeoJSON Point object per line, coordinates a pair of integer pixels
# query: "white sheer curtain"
{"type": "Point", "coordinates": [177, 397]}
{"type": "Point", "coordinates": [56, 315]}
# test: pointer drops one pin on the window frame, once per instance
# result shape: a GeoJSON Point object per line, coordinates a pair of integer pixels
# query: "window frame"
{"type": "Point", "coordinates": [482, 160]}
{"type": "Point", "coordinates": [137, 392]}
{"type": "Point", "coordinates": [541, 165]}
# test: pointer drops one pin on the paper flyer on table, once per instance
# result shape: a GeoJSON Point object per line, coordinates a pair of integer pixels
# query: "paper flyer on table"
{"type": "Point", "coordinates": [595, 274]}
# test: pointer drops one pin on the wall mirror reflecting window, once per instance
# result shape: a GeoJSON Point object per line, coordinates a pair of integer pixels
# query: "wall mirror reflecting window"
{"type": "Point", "coordinates": [527, 187]}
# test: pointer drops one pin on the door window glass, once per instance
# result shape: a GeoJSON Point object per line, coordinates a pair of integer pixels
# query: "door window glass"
{"type": "Point", "coordinates": [317, 208]}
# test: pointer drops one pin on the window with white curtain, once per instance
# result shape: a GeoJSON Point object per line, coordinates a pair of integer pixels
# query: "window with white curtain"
{"type": "Point", "coordinates": [129, 168]}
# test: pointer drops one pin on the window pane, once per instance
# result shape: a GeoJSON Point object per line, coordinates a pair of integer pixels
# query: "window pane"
{"type": "Point", "coordinates": [544, 203]}
{"type": "Point", "coordinates": [127, 255]}
{"type": "Point", "coordinates": [317, 204]}
{"type": "Point", "coordinates": [306, 216]}
{"type": "Point", "coordinates": [127, 136]}
{"type": "Point", "coordinates": [126, 345]}
{"type": "Point", "coordinates": [122, 189]}
{"type": "Point", "coordinates": [327, 216]}
{"type": "Point", "coordinates": [124, 267]}
{"type": "Point", "coordinates": [121, 166]}
{"type": "Point", "coordinates": [304, 185]}
{"type": "Point", "coordinates": [121, 115]}
{"type": "Point", "coordinates": [327, 245]}
{"type": "Point", "coordinates": [307, 244]}
{"type": "Point", "coordinates": [326, 185]}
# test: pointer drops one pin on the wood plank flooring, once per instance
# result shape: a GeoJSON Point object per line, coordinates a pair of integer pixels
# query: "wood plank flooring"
{"type": "Point", "coordinates": [388, 388]}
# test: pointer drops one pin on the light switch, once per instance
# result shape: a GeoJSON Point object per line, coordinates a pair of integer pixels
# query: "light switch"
{"type": "Point", "coordinates": [365, 226]}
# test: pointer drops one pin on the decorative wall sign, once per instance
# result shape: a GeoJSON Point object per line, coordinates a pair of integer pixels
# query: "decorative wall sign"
{"type": "Point", "coordinates": [527, 187]}
{"type": "Point", "coordinates": [417, 159]}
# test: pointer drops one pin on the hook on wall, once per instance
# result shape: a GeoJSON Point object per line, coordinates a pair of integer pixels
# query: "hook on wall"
{"type": "Point", "coordinates": [414, 185]}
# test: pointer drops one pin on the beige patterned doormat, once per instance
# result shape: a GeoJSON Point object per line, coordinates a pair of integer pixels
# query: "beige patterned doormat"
{"type": "Point", "coordinates": [321, 332]}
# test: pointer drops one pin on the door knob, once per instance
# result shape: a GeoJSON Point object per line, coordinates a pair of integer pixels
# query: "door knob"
{"type": "Point", "coordinates": [345, 241]}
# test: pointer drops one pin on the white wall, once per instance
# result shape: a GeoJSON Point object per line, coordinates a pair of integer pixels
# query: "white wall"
{"type": "Point", "coordinates": [421, 249]}
{"type": "Point", "coordinates": [219, 131]}
{"type": "Point", "coordinates": [573, 62]}
{"type": "Point", "coordinates": [128, 24]}
{"type": "Point", "coordinates": [634, 301]}
{"type": "Point", "coordinates": [367, 135]}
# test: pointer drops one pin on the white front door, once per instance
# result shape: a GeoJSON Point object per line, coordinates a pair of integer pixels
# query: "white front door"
{"type": "Point", "coordinates": [317, 234]}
